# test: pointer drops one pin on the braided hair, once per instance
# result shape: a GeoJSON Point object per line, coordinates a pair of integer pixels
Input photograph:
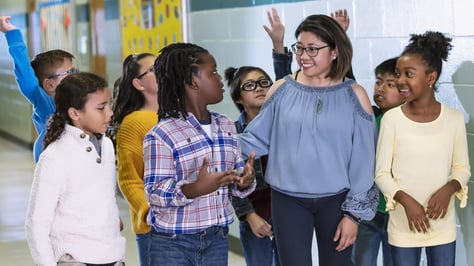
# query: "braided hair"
{"type": "Point", "coordinates": [433, 48]}
{"type": "Point", "coordinates": [73, 92]}
{"type": "Point", "coordinates": [174, 69]}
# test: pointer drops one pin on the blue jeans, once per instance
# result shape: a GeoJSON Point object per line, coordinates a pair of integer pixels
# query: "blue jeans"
{"type": "Point", "coordinates": [209, 247]}
{"type": "Point", "coordinates": [440, 255]}
{"type": "Point", "coordinates": [369, 237]}
{"type": "Point", "coordinates": [257, 251]}
{"type": "Point", "coordinates": [143, 244]}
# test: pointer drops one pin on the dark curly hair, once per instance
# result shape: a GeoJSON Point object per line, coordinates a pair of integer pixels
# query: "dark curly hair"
{"type": "Point", "coordinates": [433, 48]}
{"type": "Point", "coordinates": [72, 91]}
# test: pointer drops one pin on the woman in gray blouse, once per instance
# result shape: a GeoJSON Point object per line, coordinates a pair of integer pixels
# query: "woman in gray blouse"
{"type": "Point", "coordinates": [319, 132]}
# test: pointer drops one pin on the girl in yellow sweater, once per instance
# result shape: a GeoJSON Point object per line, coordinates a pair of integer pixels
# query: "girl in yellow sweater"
{"type": "Point", "coordinates": [135, 113]}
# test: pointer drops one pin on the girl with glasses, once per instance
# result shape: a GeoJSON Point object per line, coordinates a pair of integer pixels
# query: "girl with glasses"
{"type": "Point", "coordinates": [248, 87]}
{"type": "Point", "coordinates": [318, 130]}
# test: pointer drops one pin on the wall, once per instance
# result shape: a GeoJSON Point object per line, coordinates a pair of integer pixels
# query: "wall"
{"type": "Point", "coordinates": [379, 30]}
{"type": "Point", "coordinates": [15, 111]}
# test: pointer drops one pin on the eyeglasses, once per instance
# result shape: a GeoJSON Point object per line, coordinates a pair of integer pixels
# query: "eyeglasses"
{"type": "Point", "coordinates": [65, 73]}
{"type": "Point", "coordinates": [310, 50]}
{"type": "Point", "coordinates": [252, 84]}
{"type": "Point", "coordinates": [150, 70]}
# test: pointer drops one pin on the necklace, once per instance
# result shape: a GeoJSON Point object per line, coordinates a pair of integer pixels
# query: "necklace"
{"type": "Point", "coordinates": [319, 104]}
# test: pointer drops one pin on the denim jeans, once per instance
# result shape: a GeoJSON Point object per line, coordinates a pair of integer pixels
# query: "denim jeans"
{"type": "Point", "coordinates": [369, 237]}
{"type": "Point", "coordinates": [257, 251]}
{"type": "Point", "coordinates": [209, 247]}
{"type": "Point", "coordinates": [143, 244]}
{"type": "Point", "coordinates": [440, 255]}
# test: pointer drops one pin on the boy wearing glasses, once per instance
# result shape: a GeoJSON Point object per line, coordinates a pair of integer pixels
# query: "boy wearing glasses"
{"type": "Point", "coordinates": [37, 81]}
{"type": "Point", "coordinates": [248, 87]}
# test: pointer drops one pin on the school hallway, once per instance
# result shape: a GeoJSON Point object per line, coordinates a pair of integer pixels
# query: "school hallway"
{"type": "Point", "coordinates": [16, 174]}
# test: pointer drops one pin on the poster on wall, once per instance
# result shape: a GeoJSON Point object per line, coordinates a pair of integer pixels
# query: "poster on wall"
{"type": "Point", "coordinates": [55, 22]}
{"type": "Point", "coordinates": [149, 25]}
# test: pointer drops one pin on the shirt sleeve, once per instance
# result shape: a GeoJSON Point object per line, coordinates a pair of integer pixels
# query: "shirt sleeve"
{"type": "Point", "coordinates": [44, 197]}
{"type": "Point", "coordinates": [363, 196]}
{"type": "Point", "coordinates": [384, 158]}
{"type": "Point", "coordinates": [25, 76]}
{"type": "Point", "coordinates": [282, 63]}
{"type": "Point", "coordinates": [256, 136]}
{"type": "Point", "coordinates": [460, 166]}
{"type": "Point", "coordinates": [162, 187]}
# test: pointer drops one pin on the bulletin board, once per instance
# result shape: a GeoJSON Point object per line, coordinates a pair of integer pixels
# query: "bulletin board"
{"type": "Point", "coordinates": [55, 22]}
{"type": "Point", "coordinates": [149, 25]}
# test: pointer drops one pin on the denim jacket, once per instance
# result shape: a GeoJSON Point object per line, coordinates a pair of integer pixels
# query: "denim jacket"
{"type": "Point", "coordinates": [243, 206]}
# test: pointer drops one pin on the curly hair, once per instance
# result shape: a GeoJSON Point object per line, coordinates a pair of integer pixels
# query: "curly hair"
{"type": "Point", "coordinates": [73, 92]}
{"type": "Point", "coordinates": [433, 48]}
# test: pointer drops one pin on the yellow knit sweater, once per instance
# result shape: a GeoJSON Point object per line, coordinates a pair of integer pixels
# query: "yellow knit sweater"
{"type": "Point", "coordinates": [130, 137]}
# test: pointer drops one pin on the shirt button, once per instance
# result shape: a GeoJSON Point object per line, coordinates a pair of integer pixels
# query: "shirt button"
{"type": "Point", "coordinates": [218, 192]}
{"type": "Point", "coordinates": [98, 160]}
{"type": "Point", "coordinates": [88, 149]}
{"type": "Point", "coordinates": [220, 216]}
{"type": "Point", "coordinates": [215, 169]}
{"type": "Point", "coordinates": [82, 135]}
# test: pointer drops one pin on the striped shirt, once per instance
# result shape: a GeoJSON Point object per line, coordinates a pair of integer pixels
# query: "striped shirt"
{"type": "Point", "coordinates": [174, 151]}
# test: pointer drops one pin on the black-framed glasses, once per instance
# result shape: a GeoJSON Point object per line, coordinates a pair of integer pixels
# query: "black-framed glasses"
{"type": "Point", "coordinates": [252, 84]}
{"type": "Point", "coordinates": [311, 51]}
{"type": "Point", "coordinates": [65, 73]}
{"type": "Point", "coordinates": [150, 70]}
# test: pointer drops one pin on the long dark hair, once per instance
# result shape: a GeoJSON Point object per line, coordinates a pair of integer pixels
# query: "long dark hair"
{"type": "Point", "coordinates": [433, 47]}
{"type": "Point", "coordinates": [72, 91]}
{"type": "Point", "coordinates": [235, 76]}
{"type": "Point", "coordinates": [126, 98]}
{"type": "Point", "coordinates": [174, 68]}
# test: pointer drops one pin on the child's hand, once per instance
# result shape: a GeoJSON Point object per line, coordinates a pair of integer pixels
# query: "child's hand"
{"type": "Point", "coordinates": [342, 18]}
{"type": "Point", "coordinates": [276, 31]}
{"type": "Point", "coordinates": [248, 175]}
{"type": "Point", "coordinates": [439, 201]}
{"type": "Point", "coordinates": [260, 227]}
{"type": "Point", "coordinates": [209, 182]}
{"type": "Point", "coordinates": [417, 218]}
{"type": "Point", "coordinates": [346, 233]}
{"type": "Point", "coordinates": [5, 24]}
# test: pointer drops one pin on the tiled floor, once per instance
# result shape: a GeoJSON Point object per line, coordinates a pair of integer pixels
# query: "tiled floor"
{"type": "Point", "coordinates": [16, 172]}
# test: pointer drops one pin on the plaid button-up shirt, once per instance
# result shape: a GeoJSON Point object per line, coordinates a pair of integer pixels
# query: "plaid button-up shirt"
{"type": "Point", "coordinates": [174, 151]}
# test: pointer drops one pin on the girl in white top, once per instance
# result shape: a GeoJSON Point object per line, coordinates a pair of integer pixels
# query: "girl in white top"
{"type": "Point", "coordinates": [72, 215]}
{"type": "Point", "coordinates": [422, 158]}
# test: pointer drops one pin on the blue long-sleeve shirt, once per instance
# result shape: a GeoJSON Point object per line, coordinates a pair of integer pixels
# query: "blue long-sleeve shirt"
{"type": "Point", "coordinates": [317, 152]}
{"type": "Point", "coordinates": [42, 103]}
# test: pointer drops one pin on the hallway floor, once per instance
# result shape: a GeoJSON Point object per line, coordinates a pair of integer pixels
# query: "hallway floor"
{"type": "Point", "coordinates": [16, 173]}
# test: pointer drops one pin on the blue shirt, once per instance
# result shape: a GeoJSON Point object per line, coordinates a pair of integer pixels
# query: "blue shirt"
{"type": "Point", "coordinates": [174, 151]}
{"type": "Point", "coordinates": [317, 153]}
{"type": "Point", "coordinates": [42, 103]}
